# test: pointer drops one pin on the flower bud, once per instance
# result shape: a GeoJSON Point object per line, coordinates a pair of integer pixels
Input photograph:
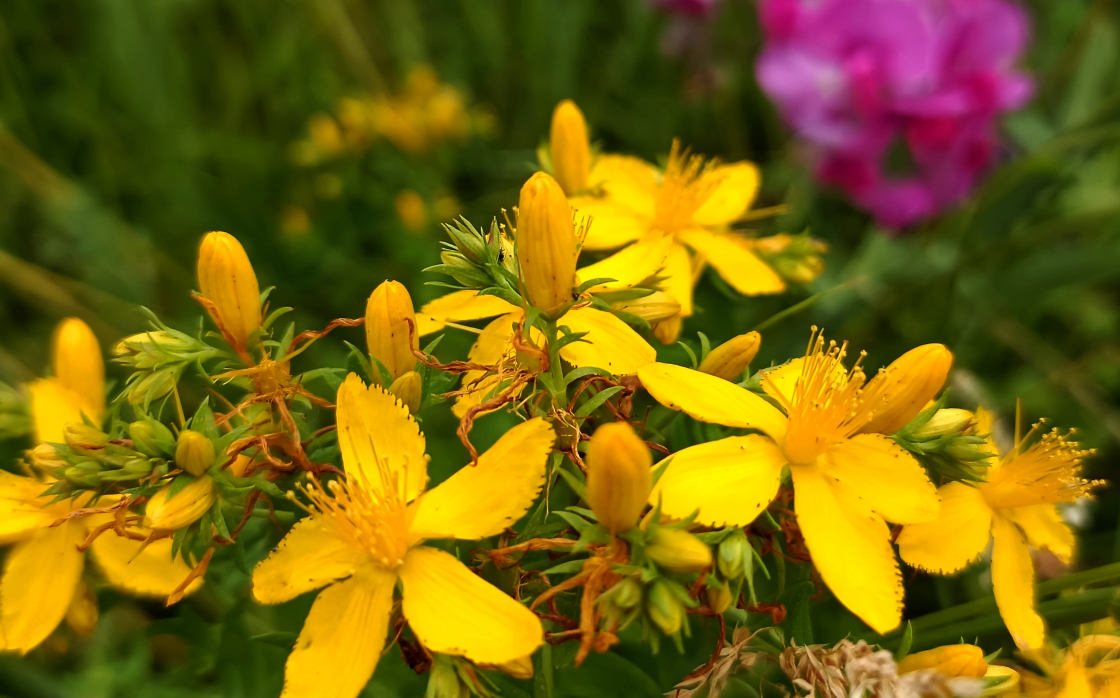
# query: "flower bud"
{"type": "Point", "coordinates": [444, 680]}
{"type": "Point", "coordinates": [627, 593]}
{"type": "Point", "coordinates": [187, 506]}
{"type": "Point", "coordinates": [654, 308]}
{"type": "Point", "coordinates": [546, 244]}
{"type": "Point", "coordinates": [82, 438]}
{"type": "Point", "coordinates": [407, 389]}
{"type": "Point", "coordinates": [226, 279]}
{"type": "Point", "coordinates": [733, 557]}
{"type": "Point", "coordinates": [194, 453]}
{"type": "Point", "coordinates": [665, 609]}
{"type": "Point", "coordinates": [1000, 680]}
{"type": "Point", "coordinates": [520, 668]}
{"type": "Point", "coordinates": [78, 365]}
{"type": "Point", "coordinates": [151, 387]}
{"type": "Point", "coordinates": [82, 613]}
{"type": "Point", "coordinates": [679, 551]}
{"type": "Point", "coordinates": [946, 421]}
{"type": "Point", "coordinates": [569, 146]}
{"type": "Point", "coordinates": [619, 479]}
{"type": "Point", "coordinates": [950, 660]}
{"type": "Point", "coordinates": [719, 598]}
{"type": "Point", "coordinates": [84, 474]}
{"type": "Point", "coordinates": [151, 438]}
{"type": "Point", "coordinates": [147, 349]}
{"type": "Point", "coordinates": [45, 458]}
{"type": "Point", "coordinates": [730, 359]}
{"type": "Point", "coordinates": [897, 394]}
{"type": "Point", "coordinates": [388, 313]}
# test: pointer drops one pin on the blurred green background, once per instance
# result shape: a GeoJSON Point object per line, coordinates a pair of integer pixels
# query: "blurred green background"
{"type": "Point", "coordinates": [128, 128]}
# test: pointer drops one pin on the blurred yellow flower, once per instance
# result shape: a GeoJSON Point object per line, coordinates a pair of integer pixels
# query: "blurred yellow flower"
{"type": "Point", "coordinates": [78, 384]}
{"type": "Point", "coordinates": [569, 148]}
{"type": "Point", "coordinates": [1016, 508]}
{"type": "Point", "coordinates": [411, 210]}
{"type": "Point", "coordinates": [847, 481]}
{"type": "Point", "coordinates": [365, 534]}
{"type": "Point", "coordinates": [618, 476]}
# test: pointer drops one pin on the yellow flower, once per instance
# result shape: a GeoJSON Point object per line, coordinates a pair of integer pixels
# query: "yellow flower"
{"type": "Point", "coordinates": [618, 476]}
{"type": "Point", "coordinates": [692, 204]}
{"type": "Point", "coordinates": [1089, 668]}
{"type": "Point", "coordinates": [226, 279]}
{"type": "Point", "coordinates": [847, 482]}
{"type": "Point", "coordinates": [1016, 507]}
{"type": "Point", "coordinates": [411, 210]}
{"type": "Point", "coordinates": [43, 571]}
{"type": "Point", "coordinates": [388, 335]}
{"type": "Point", "coordinates": [78, 385]}
{"type": "Point", "coordinates": [546, 244]}
{"type": "Point", "coordinates": [730, 359]}
{"type": "Point", "coordinates": [950, 660]}
{"type": "Point", "coordinates": [167, 513]}
{"type": "Point", "coordinates": [366, 532]}
{"type": "Point", "coordinates": [569, 147]}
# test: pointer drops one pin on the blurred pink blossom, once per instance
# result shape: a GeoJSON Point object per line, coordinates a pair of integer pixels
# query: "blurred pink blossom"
{"type": "Point", "coordinates": [856, 78]}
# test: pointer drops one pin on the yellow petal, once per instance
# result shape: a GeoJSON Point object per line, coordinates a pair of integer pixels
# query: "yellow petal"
{"type": "Point", "coordinates": [1044, 528]}
{"type": "Point", "coordinates": [630, 266]}
{"type": "Point", "coordinates": [734, 188]}
{"type": "Point", "coordinates": [307, 558]}
{"type": "Point", "coordinates": [569, 147]}
{"type": "Point", "coordinates": [612, 225]}
{"type": "Point", "coordinates": [850, 546]}
{"type": "Point", "coordinates": [628, 181]}
{"type": "Point", "coordinates": [485, 499]}
{"type": "Point", "coordinates": [955, 538]}
{"type": "Point", "coordinates": [778, 382]}
{"type": "Point", "coordinates": [729, 481]}
{"type": "Point", "coordinates": [491, 345]}
{"type": "Point", "coordinates": [21, 512]}
{"type": "Point", "coordinates": [1075, 684]}
{"type": "Point", "coordinates": [147, 572]}
{"type": "Point", "coordinates": [453, 611]}
{"type": "Point", "coordinates": [377, 434]}
{"type": "Point", "coordinates": [53, 406]}
{"type": "Point", "coordinates": [166, 513]}
{"type": "Point", "coordinates": [40, 576]}
{"type": "Point", "coordinates": [342, 638]}
{"type": "Point", "coordinates": [886, 476]}
{"type": "Point", "coordinates": [460, 306]}
{"type": "Point", "coordinates": [1013, 581]}
{"type": "Point", "coordinates": [736, 264]}
{"type": "Point", "coordinates": [678, 277]}
{"type": "Point", "coordinates": [900, 391]}
{"type": "Point", "coordinates": [78, 365]}
{"type": "Point", "coordinates": [610, 343]}
{"type": "Point", "coordinates": [711, 399]}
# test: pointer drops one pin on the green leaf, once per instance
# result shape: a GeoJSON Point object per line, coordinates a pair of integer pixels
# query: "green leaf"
{"type": "Point", "coordinates": [578, 485]}
{"type": "Point", "coordinates": [590, 283]}
{"type": "Point", "coordinates": [286, 640]}
{"type": "Point", "coordinates": [597, 400]}
{"type": "Point", "coordinates": [904, 646]}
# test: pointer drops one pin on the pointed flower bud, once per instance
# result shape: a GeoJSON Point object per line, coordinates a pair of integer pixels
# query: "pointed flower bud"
{"type": "Point", "coordinates": [734, 555]}
{"type": "Point", "coordinates": [730, 359]}
{"type": "Point", "coordinates": [226, 279]}
{"type": "Point", "coordinates": [569, 146]}
{"type": "Point", "coordinates": [950, 660]}
{"type": "Point", "coordinates": [654, 308]}
{"type": "Point", "coordinates": [899, 392]}
{"type": "Point", "coordinates": [408, 389]}
{"type": "Point", "coordinates": [152, 438]}
{"type": "Point", "coordinates": [619, 479]}
{"type": "Point", "coordinates": [388, 313]}
{"type": "Point", "coordinates": [82, 438]}
{"type": "Point", "coordinates": [45, 458]}
{"type": "Point", "coordinates": [546, 243]}
{"type": "Point", "coordinates": [194, 453]}
{"type": "Point", "coordinates": [944, 422]}
{"type": "Point", "coordinates": [78, 365]}
{"type": "Point", "coordinates": [665, 609]}
{"type": "Point", "coordinates": [719, 598]}
{"type": "Point", "coordinates": [679, 551]}
{"type": "Point", "coordinates": [187, 506]}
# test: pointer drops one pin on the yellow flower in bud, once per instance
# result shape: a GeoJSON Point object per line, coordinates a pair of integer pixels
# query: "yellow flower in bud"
{"type": "Point", "coordinates": [618, 476]}
{"type": "Point", "coordinates": [900, 391]}
{"type": "Point", "coordinates": [950, 660]}
{"type": "Point", "coordinates": [82, 438]}
{"type": "Point", "coordinates": [187, 506]}
{"type": "Point", "coordinates": [521, 668]}
{"type": "Point", "coordinates": [946, 421]}
{"type": "Point", "coordinates": [407, 389]}
{"type": "Point", "coordinates": [240, 466]}
{"type": "Point", "coordinates": [570, 150]}
{"type": "Point", "coordinates": [655, 308]}
{"type": "Point", "coordinates": [665, 609]}
{"type": "Point", "coordinates": [730, 359]}
{"type": "Point", "coordinates": [82, 613]}
{"type": "Point", "coordinates": [194, 453]}
{"type": "Point", "coordinates": [77, 364]}
{"type": "Point", "coordinates": [679, 551]}
{"type": "Point", "coordinates": [226, 279]}
{"type": "Point", "coordinates": [45, 458]}
{"type": "Point", "coordinates": [388, 338]}
{"type": "Point", "coordinates": [719, 598]}
{"type": "Point", "coordinates": [546, 243]}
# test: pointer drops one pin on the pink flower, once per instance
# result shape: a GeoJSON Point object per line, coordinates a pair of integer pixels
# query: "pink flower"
{"type": "Point", "coordinates": [856, 77]}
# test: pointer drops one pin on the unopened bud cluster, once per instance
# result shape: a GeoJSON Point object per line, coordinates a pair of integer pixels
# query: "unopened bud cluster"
{"type": "Point", "coordinates": [157, 359]}
{"type": "Point", "coordinates": [945, 441]}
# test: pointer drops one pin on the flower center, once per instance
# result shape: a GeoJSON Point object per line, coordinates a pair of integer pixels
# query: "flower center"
{"type": "Point", "coordinates": [825, 408]}
{"type": "Point", "coordinates": [1047, 472]}
{"type": "Point", "coordinates": [684, 187]}
{"type": "Point", "coordinates": [373, 519]}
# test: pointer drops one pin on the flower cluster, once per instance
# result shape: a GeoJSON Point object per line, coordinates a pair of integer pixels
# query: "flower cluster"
{"type": "Point", "coordinates": [897, 99]}
{"type": "Point", "coordinates": [587, 525]}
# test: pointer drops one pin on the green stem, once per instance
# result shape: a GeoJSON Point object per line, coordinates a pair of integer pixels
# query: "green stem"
{"type": "Point", "coordinates": [555, 366]}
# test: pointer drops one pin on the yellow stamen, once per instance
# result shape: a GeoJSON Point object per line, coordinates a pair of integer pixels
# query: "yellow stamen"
{"type": "Point", "coordinates": [684, 187]}
{"type": "Point", "coordinates": [825, 408]}
{"type": "Point", "coordinates": [1045, 473]}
